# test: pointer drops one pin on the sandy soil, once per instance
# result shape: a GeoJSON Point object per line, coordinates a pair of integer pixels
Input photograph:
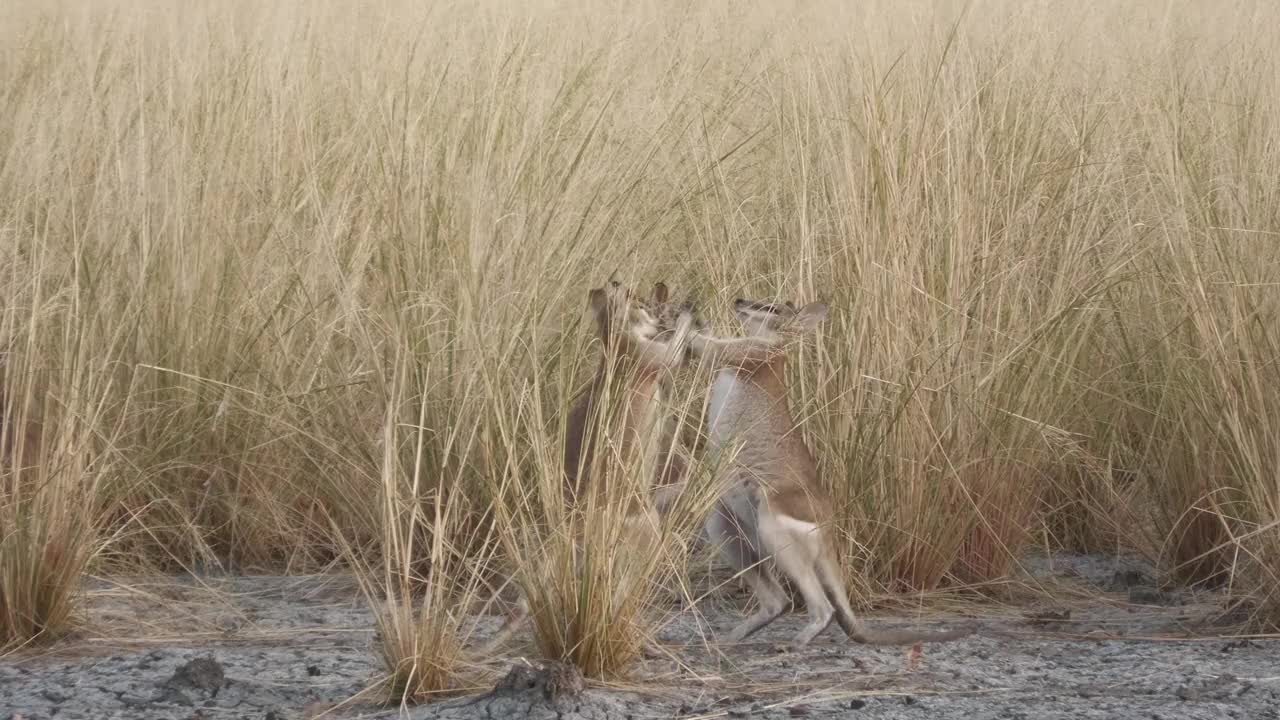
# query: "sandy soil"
{"type": "Point", "coordinates": [272, 648]}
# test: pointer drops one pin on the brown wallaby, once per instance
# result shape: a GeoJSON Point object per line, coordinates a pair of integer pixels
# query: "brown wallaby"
{"type": "Point", "coordinates": [774, 508]}
{"type": "Point", "coordinates": [640, 351]}
{"type": "Point", "coordinates": [625, 398]}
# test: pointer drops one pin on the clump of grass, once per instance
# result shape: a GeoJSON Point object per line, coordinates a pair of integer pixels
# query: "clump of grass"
{"type": "Point", "coordinates": [1216, 509]}
{"type": "Point", "coordinates": [1087, 507]}
{"type": "Point", "coordinates": [49, 469]}
{"type": "Point", "coordinates": [47, 535]}
{"type": "Point", "coordinates": [594, 571]}
{"type": "Point", "coordinates": [960, 350]}
{"type": "Point", "coordinates": [430, 571]}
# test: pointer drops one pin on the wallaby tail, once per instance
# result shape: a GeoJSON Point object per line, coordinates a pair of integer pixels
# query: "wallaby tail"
{"type": "Point", "coordinates": [833, 584]}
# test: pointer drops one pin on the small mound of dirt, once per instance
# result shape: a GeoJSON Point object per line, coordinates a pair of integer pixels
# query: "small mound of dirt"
{"type": "Point", "coordinates": [555, 691]}
{"type": "Point", "coordinates": [553, 681]}
{"type": "Point", "coordinates": [1122, 580]}
{"type": "Point", "coordinates": [194, 681]}
{"type": "Point", "coordinates": [202, 673]}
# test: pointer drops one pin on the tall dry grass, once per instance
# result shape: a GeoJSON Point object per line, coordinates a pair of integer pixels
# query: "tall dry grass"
{"type": "Point", "coordinates": [54, 450]}
{"type": "Point", "coordinates": [595, 572]}
{"type": "Point", "coordinates": [1045, 232]}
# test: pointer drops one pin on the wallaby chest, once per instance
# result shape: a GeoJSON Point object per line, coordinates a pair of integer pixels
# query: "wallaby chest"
{"type": "Point", "coordinates": [744, 416]}
{"type": "Point", "coordinates": [724, 406]}
{"type": "Point", "coordinates": [748, 416]}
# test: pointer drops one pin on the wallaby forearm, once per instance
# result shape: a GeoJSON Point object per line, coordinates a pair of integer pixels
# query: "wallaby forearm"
{"type": "Point", "coordinates": [722, 352]}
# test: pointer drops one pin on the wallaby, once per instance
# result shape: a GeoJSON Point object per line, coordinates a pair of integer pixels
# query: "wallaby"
{"type": "Point", "coordinates": [773, 507]}
{"type": "Point", "coordinates": [643, 344]}
{"type": "Point", "coordinates": [626, 396]}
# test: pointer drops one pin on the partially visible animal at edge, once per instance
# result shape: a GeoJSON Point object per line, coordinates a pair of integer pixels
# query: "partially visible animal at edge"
{"type": "Point", "coordinates": [20, 434]}
{"type": "Point", "coordinates": [773, 514]}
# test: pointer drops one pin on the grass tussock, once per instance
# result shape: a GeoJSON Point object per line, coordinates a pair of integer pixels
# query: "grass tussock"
{"type": "Point", "coordinates": [51, 459]}
{"type": "Point", "coordinates": [594, 562]}
{"type": "Point", "coordinates": [47, 533]}
{"type": "Point", "coordinates": [431, 565]}
{"type": "Point", "coordinates": [234, 236]}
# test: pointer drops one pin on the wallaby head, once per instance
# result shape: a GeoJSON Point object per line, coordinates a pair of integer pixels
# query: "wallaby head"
{"type": "Point", "coordinates": [617, 313]}
{"type": "Point", "coordinates": [624, 321]}
{"type": "Point", "coordinates": [778, 323]}
{"type": "Point", "coordinates": [665, 310]}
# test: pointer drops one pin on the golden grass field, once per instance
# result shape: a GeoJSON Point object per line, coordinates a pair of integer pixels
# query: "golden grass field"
{"type": "Point", "coordinates": [300, 286]}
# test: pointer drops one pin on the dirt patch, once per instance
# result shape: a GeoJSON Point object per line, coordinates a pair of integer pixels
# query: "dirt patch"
{"type": "Point", "coordinates": [283, 648]}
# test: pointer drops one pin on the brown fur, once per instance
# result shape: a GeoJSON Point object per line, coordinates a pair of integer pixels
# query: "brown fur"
{"type": "Point", "coordinates": [624, 397]}
{"type": "Point", "coordinates": [772, 515]}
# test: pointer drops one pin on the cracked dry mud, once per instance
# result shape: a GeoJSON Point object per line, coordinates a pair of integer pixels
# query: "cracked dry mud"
{"type": "Point", "coordinates": [271, 648]}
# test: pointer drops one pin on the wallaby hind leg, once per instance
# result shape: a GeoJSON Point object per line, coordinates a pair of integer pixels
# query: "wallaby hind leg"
{"type": "Point", "coordinates": [829, 574]}
{"type": "Point", "coordinates": [833, 583]}
{"type": "Point", "coordinates": [797, 547]}
{"type": "Point", "coordinates": [724, 531]}
{"type": "Point", "coordinates": [772, 599]}
{"type": "Point", "coordinates": [513, 622]}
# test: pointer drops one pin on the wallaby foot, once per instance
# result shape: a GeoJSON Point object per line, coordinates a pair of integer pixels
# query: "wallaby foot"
{"type": "Point", "coordinates": [512, 623]}
{"type": "Point", "coordinates": [722, 529]}
{"type": "Point", "coordinates": [773, 602]}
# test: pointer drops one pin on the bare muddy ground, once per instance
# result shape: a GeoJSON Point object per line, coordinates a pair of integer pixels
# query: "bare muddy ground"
{"type": "Point", "coordinates": [1110, 645]}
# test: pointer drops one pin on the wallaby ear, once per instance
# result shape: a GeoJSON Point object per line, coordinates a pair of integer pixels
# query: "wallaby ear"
{"type": "Point", "coordinates": [810, 317]}
{"type": "Point", "coordinates": [660, 293]}
{"type": "Point", "coordinates": [597, 299]}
